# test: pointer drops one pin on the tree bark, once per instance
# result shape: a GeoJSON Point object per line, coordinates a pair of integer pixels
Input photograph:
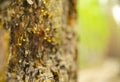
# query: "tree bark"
{"type": "Point", "coordinates": [43, 43]}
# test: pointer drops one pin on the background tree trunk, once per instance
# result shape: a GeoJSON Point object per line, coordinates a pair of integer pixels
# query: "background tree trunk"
{"type": "Point", "coordinates": [42, 44]}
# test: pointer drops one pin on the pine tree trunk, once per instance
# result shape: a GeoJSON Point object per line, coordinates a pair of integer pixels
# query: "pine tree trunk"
{"type": "Point", "coordinates": [43, 43]}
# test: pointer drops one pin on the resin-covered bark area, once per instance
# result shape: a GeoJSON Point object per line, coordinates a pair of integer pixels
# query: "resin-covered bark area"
{"type": "Point", "coordinates": [42, 40]}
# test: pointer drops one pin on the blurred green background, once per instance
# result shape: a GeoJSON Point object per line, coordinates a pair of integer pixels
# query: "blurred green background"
{"type": "Point", "coordinates": [94, 32]}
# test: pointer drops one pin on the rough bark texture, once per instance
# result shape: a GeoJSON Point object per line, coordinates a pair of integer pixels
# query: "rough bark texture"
{"type": "Point", "coordinates": [42, 40]}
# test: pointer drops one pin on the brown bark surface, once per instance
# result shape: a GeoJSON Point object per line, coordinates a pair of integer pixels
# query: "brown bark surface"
{"type": "Point", "coordinates": [43, 42]}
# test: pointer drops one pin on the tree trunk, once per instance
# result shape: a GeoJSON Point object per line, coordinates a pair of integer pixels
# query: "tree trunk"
{"type": "Point", "coordinates": [42, 45]}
